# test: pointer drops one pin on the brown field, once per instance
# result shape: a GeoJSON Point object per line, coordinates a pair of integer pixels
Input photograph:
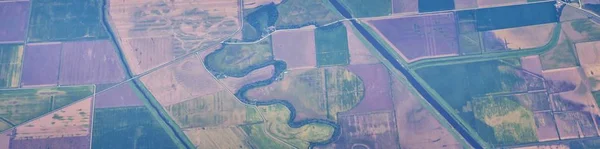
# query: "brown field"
{"type": "Point", "coordinates": [5, 140]}
{"type": "Point", "coordinates": [220, 138]}
{"type": "Point", "coordinates": [182, 25]}
{"type": "Point", "coordinates": [546, 126]}
{"type": "Point", "coordinates": [580, 96]}
{"type": "Point", "coordinates": [491, 3]}
{"type": "Point", "coordinates": [589, 58]}
{"type": "Point", "coordinates": [532, 64]}
{"type": "Point", "coordinates": [180, 81]}
{"type": "Point", "coordinates": [70, 121]}
{"type": "Point", "coordinates": [527, 36]}
{"type": "Point", "coordinates": [575, 125]}
{"type": "Point", "coordinates": [234, 83]}
{"type": "Point", "coordinates": [417, 128]}
{"type": "Point", "coordinates": [465, 4]}
{"type": "Point", "coordinates": [248, 4]}
{"type": "Point", "coordinates": [296, 47]}
{"type": "Point", "coordinates": [359, 53]}
{"type": "Point", "coordinates": [560, 56]}
{"type": "Point", "coordinates": [571, 13]}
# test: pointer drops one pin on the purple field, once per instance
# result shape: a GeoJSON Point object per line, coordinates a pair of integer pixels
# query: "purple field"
{"type": "Point", "coordinates": [295, 47]}
{"type": "Point", "coordinates": [400, 6]}
{"type": "Point", "coordinates": [119, 96]}
{"type": "Point", "coordinates": [367, 131]}
{"type": "Point", "coordinates": [376, 80]}
{"type": "Point", "coordinates": [14, 16]}
{"type": "Point", "coordinates": [546, 127]}
{"type": "Point", "coordinates": [40, 64]}
{"type": "Point", "coordinates": [491, 43]}
{"type": "Point", "coordinates": [422, 36]}
{"type": "Point", "coordinates": [5, 139]}
{"type": "Point", "coordinates": [90, 62]}
{"type": "Point", "coordinates": [52, 143]}
{"type": "Point", "coordinates": [464, 4]}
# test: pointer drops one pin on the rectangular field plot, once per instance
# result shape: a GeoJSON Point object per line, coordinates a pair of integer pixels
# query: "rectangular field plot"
{"type": "Point", "coordinates": [233, 137]}
{"type": "Point", "coordinates": [418, 37]}
{"type": "Point", "coordinates": [14, 16]}
{"type": "Point", "coordinates": [368, 8]}
{"type": "Point", "coordinates": [295, 47]}
{"type": "Point", "coordinates": [145, 53]}
{"type": "Point", "coordinates": [56, 20]}
{"type": "Point", "coordinates": [38, 101]}
{"type": "Point", "coordinates": [70, 121]}
{"type": "Point", "coordinates": [127, 127]}
{"type": "Point", "coordinates": [297, 13]}
{"type": "Point", "coordinates": [524, 37]}
{"type": "Point", "coordinates": [41, 64]}
{"type": "Point", "coordinates": [493, 3]}
{"type": "Point", "coordinates": [560, 56]}
{"type": "Point", "coordinates": [581, 30]}
{"type": "Point", "coordinates": [11, 56]}
{"type": "Point", "coordinates": [5, 139]}
{"type": "Point", "coordinates": [589, 58]}
{"type": "Point", "coordinates": [90, 62]}
{"type": "Point", "coordinates": [405, 6]}
{"type": "Point", "coordinates": [332, 45]}
{"type": "Point", "coordinates": [374, 130]}
{"type": "Point", "coordinates": [575, 125]}
{"type": "Point", "coordinates": [122, 95]}
{"type": "Point", "coordinates": [546, 126]}
{"type": "Point", "coordinates": [435, 5]}
{"type": "Point", "coordinates": [512, 16]}
{"type": "Point", "coordinates": [470, 43]}
{"type": "Point", "coordinates": [377, 91]}
{"type": "Point", "coordinates": [63, 143]}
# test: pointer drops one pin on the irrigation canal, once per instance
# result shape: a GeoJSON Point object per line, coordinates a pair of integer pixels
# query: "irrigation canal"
{"type": "Point", "coordinates": [411, 79]}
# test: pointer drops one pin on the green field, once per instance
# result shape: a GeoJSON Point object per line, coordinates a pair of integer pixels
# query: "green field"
{"type": "Point", "coordinates": [344, 91]}
{"type": "Point", "coordinates": [232, 59]}
{"type": "Point", "coordinates": [218, 110]}
{"type": "Point", "coordinates": [587, 27]}
{"type": "Point", "coordinates": [259, 139]}
{"type": "Point", "coordinates": [510, 121]}
{"type": "Point", "coordinates": [596, 96]}
{"type": "Point", "coordinates": [368, 8]}
{"type": "Point", "coordinates": [560, 56]}
{"type": "Point", "coordinates": [297, 13]}
{"type": "Point", "coordinates": [63, 20]}
{"type": "Point", "coordinates": [38, 101]}
{"type": "Point", "coordinates": [11, 57]}
{"type": "Point", "coordinates": [277, 116]}
{"type": "Point", "coordinates": [257, 20]}
{"type": "Point", "coordinates": [332, 45]}
{"type": "Point", "coordinates": [470, 43]}
{"type": "Point", "coordinates": [128, 127]}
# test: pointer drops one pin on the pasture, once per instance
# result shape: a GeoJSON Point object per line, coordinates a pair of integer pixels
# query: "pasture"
{"type": "Point", "coordinates": [233, 59]}
{"type": "Point", "coordinates": [90, 62]}
{"type": "Point", "coordinates": [71, 121]}
{"type": "Point", "coordinates": [368, 8]}
{"type": "Point", "coordinates": [55, 20]}
{"type": "Point", "coordinates": [511, 122]}
{"type": "Point", "coordinates": [41, 64]}
{"type": "Point", "coordinates": [145, 53]}
{"type": "Point", "coordinates": [128, 127]}
{"type": "Point", "coordinates": [11, 56]}
{"type": "Point", "coordinates": [298, 13]}
{"type": "Point", "coordinates": [259, 139]}
{"type": "Point", "coordinates": [560, 56]}
{"type": "Point", "coordinates": [332, 45]}
{"type": "Point", "coordinates": [14, 16]}
{"type": "Point", "coordinates": [38, 101]}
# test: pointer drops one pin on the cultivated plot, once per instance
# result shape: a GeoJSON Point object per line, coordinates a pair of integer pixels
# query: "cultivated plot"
{"type": "Point", "coordinates": [419, 37]}
{"type": "Point", "coordinates": [70, 121]}
{"type": "Point", "coordinates": [145, 53]}
{"type": "Point", "coordinates": [331, 44]}
{"type": "Point", "coordinates": [41, 64]}
{"type": "Point", "coordinates": [229, 137]}
{"type": "Point", "coordinates": [66, 142]}
{"type": "Point", "coordinates": [56, 20]}
{"type": "Point", "coordinates": [532, 64]}
{"type": "Point", "coordinates": [14, 16]}
{"type": "Point", "coordinates": [232, 59]}
{"type": "Point", "coordinates": [5, 139]}
{"type": "Point", "coordinates": [405, 6]}
{"type": "Point", "coordinates": [466, 4]}
{"type": "Point", "coordinates": [249, 4]}
{"type": "Point", "coordinates": [359, 53]}
{"type": "Point", "coordinates": [521, 37]}
{"type": "Point", "coordinates": [296, 47]}
{"type": "Point", "coordinates": [90, 62]}
{"type": "Point", "coordinates": [257, 134]}
{"type": "Point", "coordinates": [435, 5]}
{"type": "Point", "coordinates": [298, 13]}
{"type": "Point", "coordinates": [11, 56]}
{"type": "Point", "coordinates": [575, 125]}
{"type": "Point", "coordinates": [571, 91]}
{"type": "Point", "coordinates": [123, 95]}
{"type": "Point", "coordinates": [369, 130]}
{"type": "Point", "coordinates": [367, 8]}
{"type": "Point", "coordinates": [493, 3]}
{"type": "Point", "coordinates": [560, 56]}
{"type": "Point", "coordinates": [546, 126]}
{"type": "Point", "coordinates": [377, 90]}
{"type": "Point", "coordinates": [581, 30]}
{"type": "Point", "coordinates": [495, 18]}
{"type": "Point", "coordinates": [589, 59]}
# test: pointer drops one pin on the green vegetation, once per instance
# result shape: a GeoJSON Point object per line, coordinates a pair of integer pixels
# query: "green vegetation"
{"type": "Point", "coordinates": [38, 101]}
{"type": "Point", "coordinates": [596, 96]}
{"type": "Point", "coordinates": [511, 122]}
{"type": "Point", "coordinates": [232, 59]}
{"type": "Point", "coordinates": [128, 127]}
{"type": "Point", "coordinates": [297, 13]}
{"type": "Point", "coordinates": [4, 125]}
{"type": "Point", "coordinates": [560, 56]}
{"type": "Point", "coordinates": [587, 27]}
{"type": "Point", "coordinates": [344, 91]}
{"type": "Point", "coordinates": [277, 116]}
{"type": "Point", "coordinates": [368, 8]}
{"type": "Point", "coordinates": [63, 20]}
{"type": "Point", "coordinates": [258, 20]}
{"type": "Point", "coordinates": [218, 109]}
{"type": "Point", "coordinates": [332, 45]}
{"type": "Point", "coordinates": [11, 56]}
{"type": "Point", "coordinates": [260, 139]}
{"type": "Point", "coordinates": [470, 43]}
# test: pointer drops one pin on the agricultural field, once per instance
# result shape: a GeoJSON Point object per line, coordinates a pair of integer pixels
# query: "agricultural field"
{"type": "Point", "coordinates": [38, 101]}
{"type": "Point", "coordinates": [277, 117]}
{"type": "Point", "coordinates": [546, 126]}
{"type": "Point", "coordinates": [572, 92]}
{"type": "Point", "coordinates": [418, 37]}
{"type": "Point", "coordinates": [466, 4]}
{"type": "Point", "coordinates": [359, 52]}
{"type": "Point", "coordinates": [494, 3]}
{"type": "Point", "coordinates": [257, 134]}
{"type": "Point", "coordinates": [65, 142]}
{"type": "Point", "coordinates": [298, 13]}
{"type": "Point", "coordinates": [405, 6]}
{"type": "Point", "coordinates": [154, 32]}
{"type": "Point", "coordinates": [232, 59]}
{"type": "Point", "coordinates": [575, 125]}
{"type": "Point", "coordinates": [128, 127]}
{"type": "Point", "coordinates": [233, 83]}
{"type": "Point", "coordinates": [470, 43]}
{"type": "Point", "coordinates": [560, 56]}
{"type": "Point", "coordinates": [259, 21]}
{"type": "Point", "coordinates": [332, 45]}
{"type": "Point", "coordinates": [368, 8]}
{"type": "Point", "coordinates": [368, 130]}
{"type": "Point", "coordinates": [249, 4]}
{"type": "Point", "coordinates": [14, 16]}
{"type": "Point", "coordinates": [377, 91]}
{"type": "Point", "coordinates": [40, 64]}
{"type": "Point", "coordinates": [532, 64]}
{"type": "Point", "coordinates": [571, 13]}
{"type": "Point", "coordinates": [495, 18]}
{"type": "Point", "coordinates": [180, 81]}
{"type": "Point", "coordinates": [296, 47]}
{"type": "Point", "coordinates": [90, 62]}
{"type": "Point", "coordinates": [417, 127]}
{"type": "Point", "coordinates": [53, 20]}
{"type": "Point", "coordinates": [589, 58]}
{"type": "Point", "coordinates": [435, 5]}
{"type": "Point", "coordinates": [220, 109]}
{"type": "Point", "coordinates": [315, 93]}
{"type": "Point", "coordinates": [70, 121]}
{"type": "Point", "coordinates": [233, 137]}
{"type": "Point", "coordinates": [123, 95]}
{"type": "Point", "coordinates": [581, 30]}
{"type": "Point", "coordinates": [5, 139]}
{"type": "Point", "coordinates": [522, 37]}
{"type": "Point", "coordinates": [11, 57]}
{"type": "Point", "coordinates": [511, 123]}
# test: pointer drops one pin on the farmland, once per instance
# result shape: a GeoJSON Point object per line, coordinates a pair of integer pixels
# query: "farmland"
{"type": "Point", "coordinates": [14, 19]}
{"type": "Point", "coordinates": [589, 54]}
{"type": "Point", "coordinates": [435, 5]}
{"type": "Point", "coordinates": [234, 83]}
{"type": "Point", "coordinates": [257, 135]}
{"type": "Point", "coordinates": [71, 121]}
{"type": "Point", "coordinates": [377, 91]}
{"type": "Point", "coordinates": [582, 30]}
{"type": "Point", "coordinates": [575, 125]}
{"type": "Point", "coordinates": [66, 142]}
{"type": "Point", "coordinates": [368, 8]}
{"type": "Point", "coordinates": [373, 130]}
{"type": "Point", "coordinates": [54, 20]}
{"type": "Point", "coordinates": [470, 43]}
{"type": "Point", "coordinates": [493, 3]}
{"type": "Point", "coordinates": [525, 37]}
{"type": "Point", "coordinates": [256, 3]}
{"type": "Point", "coordinates": [232, 59]}
{"type": "Point", "coordinates": [90, 62]}
{"type": "Point", "coordinates": [11, 56]}
{"type": "Point", "coordinates": [296, 47]}
{"type": "Point", "coordinates": [546, 126]}
{"type": "Point", "coordinates": [298, 13]}
{"type": "Point", "coordinates": [560, 56]}
{"type": "Point", "coordinates": [404, 6]}
{"type": "Point", "coordinates": [511, 122]}
{"type": "Point", "coordinates": [128, 127]}
{"type": "Point", "coordinates": [465, 4]}
{"type": "Point", "coordinates": [40, 64]}
{"type": "Point", "coordinates": [419, 37]}
{"type": "Point", "coordinates": [359, 51]}
{"type": "Point", "coordinates": [233, 137]}
{"type": "Point", "coordinates": [332, 45]}
{"type": "Point", "coordinates": [511, 16]}
{"type": "Point", "coordinates": [38, 101]}
{"type": "Point", "coordinates": [532, 64]}
{"type": "Point", "coordinates": [220, 109]}
{"type": "Point", "coordinates": [143, 54]}
{"type": "Point", "coordinates": [122, 95]}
